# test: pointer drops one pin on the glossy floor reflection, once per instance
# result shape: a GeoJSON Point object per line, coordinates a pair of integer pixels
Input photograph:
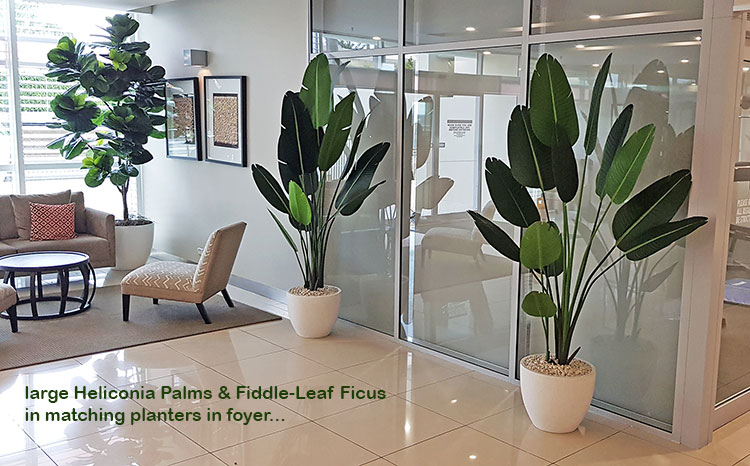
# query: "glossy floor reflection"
{"type": "Point", "coordinates": [434, 412]}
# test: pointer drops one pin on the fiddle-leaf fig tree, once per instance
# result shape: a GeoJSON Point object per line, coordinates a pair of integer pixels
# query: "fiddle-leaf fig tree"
{"type": "Point", "coordinates": [315, 132]}
{"type": "Point", "coordinates": [114, 105]}
{"type": "Point", "coordinates": [540, 150]}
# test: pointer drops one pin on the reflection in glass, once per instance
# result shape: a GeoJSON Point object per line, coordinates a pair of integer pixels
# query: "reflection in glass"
{"type": "Point", "coordinates": [459, 291]}
{"type": "Point", "coordinates": [734, 367]}
{"type": "Point", "coordinates": [361, 254]}
{"type": "Point", "coordinates": [353, 24]}
{"type": "Point", "coordinates": [570, 15]}
{"type": "Point", "coordinates": [440, 21]}
{"type": "Point", "coordinates": [5, 134]}
{"type": "Point", "coordinates": [629, 328]}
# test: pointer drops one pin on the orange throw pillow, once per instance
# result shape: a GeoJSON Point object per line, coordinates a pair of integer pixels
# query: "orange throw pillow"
{"type": "Point", "coordinates": [52, 221]}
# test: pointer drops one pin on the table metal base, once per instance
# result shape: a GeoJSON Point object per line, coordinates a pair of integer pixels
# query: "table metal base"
{"type": "Point", "coordinates": [36, 294]}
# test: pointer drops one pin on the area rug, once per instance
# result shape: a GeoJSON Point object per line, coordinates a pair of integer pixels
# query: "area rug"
{"type": "Point", "coordinates": [737, 291]}
{"type": "Point", "coordinates": [101, 327]}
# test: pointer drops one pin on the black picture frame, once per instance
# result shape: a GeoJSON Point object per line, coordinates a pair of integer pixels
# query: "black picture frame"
{"type": "Point", "coordinates": [226, 87]}
{"type": "Point", "coordinates": [197, 143]}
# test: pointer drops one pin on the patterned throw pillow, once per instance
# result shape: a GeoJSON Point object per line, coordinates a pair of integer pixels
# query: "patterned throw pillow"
{"type": "Point", "coordinates": [52, 221]}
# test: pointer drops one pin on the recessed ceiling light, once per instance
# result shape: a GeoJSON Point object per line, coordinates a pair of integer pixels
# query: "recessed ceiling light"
{"type": "Point", "coordinates": [698, 37]}
{"type": "Point", "coordinates": [746, 68]}
{"type": "Point", "coordinates": [684, 60]}
{"type": "Point", "coordinates": [472, 457]}
{"type": "Point", "coordinates": [580, 46]}
{"type": "Point", "coordinates": [454, 401]}
{"type": "Point", "coordinates": [595, 17]}
{"type": "Point", "coordinates": [660, 71]}
{"type": "Point", "coordinates": [377, 38]}
{"type": "Point", "coordinates": [470, 28]}
{"type": "Point", "coordinates": [487, 52]}
{"type": "Point", "coordinates": [595, 65]}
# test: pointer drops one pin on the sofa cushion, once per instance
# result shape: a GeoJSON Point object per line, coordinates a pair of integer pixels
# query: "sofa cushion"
{"type": "Point", "coordinates": [7, 219]}
{"type": "Point", "coordinates": [77, 198]}
{"type": "Point", "coordinates": [97, 248]}
{"type": "Point", "coordinates": [163, 280]}
{"type": "Point", "coordinates": [22, 212]}
{"type": "Point", "coordinates": [52, 222]}
{"type": "Point", "coordinates": [6, 250]}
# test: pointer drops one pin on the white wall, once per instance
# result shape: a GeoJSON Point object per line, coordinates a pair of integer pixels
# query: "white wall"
{"type": "Point", "coordinates": [266, 41]}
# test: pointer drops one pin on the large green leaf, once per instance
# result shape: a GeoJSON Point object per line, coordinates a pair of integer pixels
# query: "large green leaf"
{"type": "Point", "coordinates": [299, 206]}
{"type": "Point", "coordinates": [538, 304]}
{"type": "Point", "coordinates": [316, 90]}
{"type": "Point", "coordinates": [298, 142]}
{"type": "Point", "coordinates": [354, 201]}
{"type": "Point", "coordinates": [530, 160]}
{"type": "Point", "coordinates": [659, 237]}
{"type": "Point", "coordinates": [512, 200]}
{"type": "Point", "coordinates": [592, 125]}
{"type": "Point", "coordinates": [615, 140]}
{"type": "Point", "coordinates": [94, 177]}
{"type": "Point", "coordinates": [655, 205]}
{"type": "Point", "coordinates": [565, 169]}
{"type": "Point", "coordinates": [337, 133]}
{"type": "Point", "coordinates": [360, 178]}
{"type": "Point", "coordinates": [541, 245]}
{"type": "Point", "coordinates": [496, 236]}
{"type": "Point", "coordinates": [270, 188]}
{"type": "Point", "coordinates": [551, 102]}
{"type": "Point", "coordinates": [628, 163]}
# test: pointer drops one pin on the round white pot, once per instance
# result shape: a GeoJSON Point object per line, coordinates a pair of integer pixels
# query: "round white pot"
{"type": "Point", "coordinates": [313, 316]}
{"type": "Point", "coordinates": [133, 245]}
{"type": "Point", "coordinates": [556, 404]}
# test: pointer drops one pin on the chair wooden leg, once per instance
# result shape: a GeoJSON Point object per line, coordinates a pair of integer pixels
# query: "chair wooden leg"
{"type": "Point", "coordinates": [204, 314]}
{"type": "Point", "coordinates": [227, 298]}
{"type": "Point", "coordinates": [156, 301]}
{"type": "Point", "coordinates": [125, 307]}
{"type": "Point", "coordinates": [13, 319]}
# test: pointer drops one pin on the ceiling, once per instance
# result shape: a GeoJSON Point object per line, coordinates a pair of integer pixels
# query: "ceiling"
{"type": "Point", "coordinates": [126, 5]}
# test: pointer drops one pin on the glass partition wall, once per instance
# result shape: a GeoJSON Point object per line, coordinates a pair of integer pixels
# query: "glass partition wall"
{"type": "Point", "coordinates": [446, 76]}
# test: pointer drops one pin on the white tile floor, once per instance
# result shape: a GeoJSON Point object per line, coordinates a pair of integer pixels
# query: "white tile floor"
{"type": "Point", "coordinates": [435, 412]}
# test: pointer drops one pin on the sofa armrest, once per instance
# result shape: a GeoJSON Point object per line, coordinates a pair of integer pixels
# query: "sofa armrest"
{"type": "Point", "coordinates": [102, 224]}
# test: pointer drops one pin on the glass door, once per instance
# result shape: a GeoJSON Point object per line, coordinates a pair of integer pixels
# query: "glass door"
{"type": "Point", "coordinates": [459, 289]}
{"type": "Point", "coordinates": [734, 366]}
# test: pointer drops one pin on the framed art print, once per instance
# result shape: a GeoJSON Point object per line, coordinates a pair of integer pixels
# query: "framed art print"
{"type": "Point", "coordinates": [226, 113]}
{"type": "Point", "coordinates": [183, 119]}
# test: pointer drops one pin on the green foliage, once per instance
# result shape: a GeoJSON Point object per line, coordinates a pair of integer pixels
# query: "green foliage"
{"type": "Point", "coordinates": [540, 148]}
{"type": "Point", "coordinates": [299, 206]}
{"type": "Point", "coordinates": [314, 136]}
{"type": "Point", "coordinates": [538, 304]}
{"type": "Point", "coordinates": [541, 245]}
{"type": "Point", "coordinates": [114, 105]}
{"type": "Point", "coordinates": [511, 198]}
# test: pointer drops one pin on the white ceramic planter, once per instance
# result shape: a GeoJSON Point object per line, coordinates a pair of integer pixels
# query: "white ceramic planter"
{"type": "Point", "coordinates": [133, 245]}
{"type": "Point", "coordinates": [313, 316]}
{"type": "Point", "coordinates": [556, 404]}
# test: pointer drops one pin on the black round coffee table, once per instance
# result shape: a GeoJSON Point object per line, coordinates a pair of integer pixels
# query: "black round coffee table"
{"type": "Point", "coordinates": [34, 264]}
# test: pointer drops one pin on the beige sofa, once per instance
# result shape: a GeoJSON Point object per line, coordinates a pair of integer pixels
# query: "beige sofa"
{"type": "Point", "coordinates": [95, 230]}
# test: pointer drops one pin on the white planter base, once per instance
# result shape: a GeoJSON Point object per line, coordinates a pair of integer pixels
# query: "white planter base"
{"type": "Point", "coordinates": [556, 404]}
{"type": "Point", "coordinates": [313, 316]}
{"type": "Point", "coordinates": [133, 245]}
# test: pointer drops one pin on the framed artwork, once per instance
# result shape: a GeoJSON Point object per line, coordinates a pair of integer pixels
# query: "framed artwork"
{"type": "Point", "coordinates": [226, 113]}
{"type": "Point", "coordinates": [183, 119]}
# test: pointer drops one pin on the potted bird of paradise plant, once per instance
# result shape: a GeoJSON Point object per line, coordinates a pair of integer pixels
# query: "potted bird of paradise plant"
{"type": "Point", "coordinates": [315, 134]}
{"type": "Point", "coordinates": [557, 388]}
